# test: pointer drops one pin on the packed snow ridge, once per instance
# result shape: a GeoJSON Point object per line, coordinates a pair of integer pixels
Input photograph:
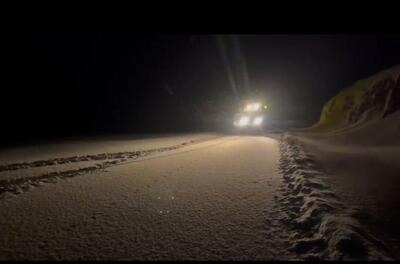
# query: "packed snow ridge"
{"type": "Point", "coordinates": [321, 226]}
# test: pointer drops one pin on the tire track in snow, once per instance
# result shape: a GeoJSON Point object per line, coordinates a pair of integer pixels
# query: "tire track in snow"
{"type": "Point", "coordinates": [23, 184]}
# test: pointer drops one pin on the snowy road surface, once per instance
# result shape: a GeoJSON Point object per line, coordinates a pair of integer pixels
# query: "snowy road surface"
{"type": "Point", "coordinates": [208, 200]}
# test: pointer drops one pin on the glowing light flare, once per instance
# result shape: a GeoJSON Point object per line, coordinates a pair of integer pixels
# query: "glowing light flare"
{"type": "Point", "coordinates": [254, 107]}
{"type": "Point", "coordinates": [258, 120]}
{"type": "Point", "coordinates": [244, 121]}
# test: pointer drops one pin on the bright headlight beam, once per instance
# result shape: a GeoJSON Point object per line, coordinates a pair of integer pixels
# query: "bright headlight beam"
{"type": "Point", "coordinates": [244, 120]}
{"type": "Point", "coordinates": [258, 121]}
{"type": "Point", "coordinates": [252, 107]}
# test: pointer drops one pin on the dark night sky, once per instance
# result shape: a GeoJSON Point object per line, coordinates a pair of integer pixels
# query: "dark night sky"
{"type": "Point", "coordinates": [63, 84]}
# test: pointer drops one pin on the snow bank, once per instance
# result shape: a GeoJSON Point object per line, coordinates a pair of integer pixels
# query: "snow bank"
{"type": "Point", "coordinates": [373, 98]}
{"type": "Point", "coordinates": [357, 140]}
{"type": "Point", "coordinates": [322, 226]}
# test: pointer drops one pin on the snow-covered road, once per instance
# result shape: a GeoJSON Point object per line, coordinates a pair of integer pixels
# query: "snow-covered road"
{"type": "Point", "coordinates": [202, 201]}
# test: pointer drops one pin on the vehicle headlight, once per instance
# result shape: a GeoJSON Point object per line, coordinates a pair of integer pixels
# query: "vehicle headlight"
{"type": "Point", "coordinates": [244, 121]}
{"type": "Point", "coordinates": [254, 107]}
{"type": "Point", "coordinates": [258, 121]}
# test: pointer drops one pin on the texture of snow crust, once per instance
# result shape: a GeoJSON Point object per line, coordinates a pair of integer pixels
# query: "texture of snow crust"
{"type": "Point", "coordinates": [205, 201]}
{"type": "Point", "coordinates": [218, 199]}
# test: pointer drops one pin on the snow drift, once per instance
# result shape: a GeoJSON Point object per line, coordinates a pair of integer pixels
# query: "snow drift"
{"type": "Point", "coordinates": [356, 142]}
{"type": "Point", "coordinates": [358, 111]}
{"type": "Point", "coordinates": [371, 98]}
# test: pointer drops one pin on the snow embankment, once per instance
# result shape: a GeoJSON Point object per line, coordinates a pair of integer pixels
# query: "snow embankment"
{"type": "Point", "coordinates": [374, 98]}
{"type": "Point", "coordinates": [357, 142]}
{"type": "Point", "coordinates": [322, 226]}
{"type": "Point", "coordinates": [25, 167]}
